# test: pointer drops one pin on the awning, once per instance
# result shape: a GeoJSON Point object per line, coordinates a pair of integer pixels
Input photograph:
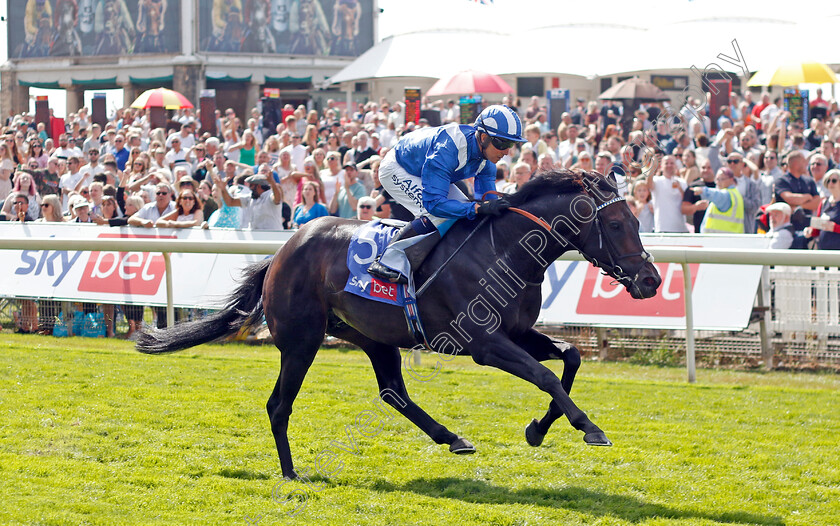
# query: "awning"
{"type": "Point", "coordinates": [288, 80]}
{"type": "Point", "coordinates": [105, 83]}
{"type": "Point", "coordinates": [151, 81]}
{"type": "Point", "coordinates": [224, 77]}
{"type": "Point", "coordinates": [41, 85]}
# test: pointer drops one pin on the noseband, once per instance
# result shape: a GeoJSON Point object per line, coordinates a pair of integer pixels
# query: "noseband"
{"type": "Point", "coordinates": [613, 268]}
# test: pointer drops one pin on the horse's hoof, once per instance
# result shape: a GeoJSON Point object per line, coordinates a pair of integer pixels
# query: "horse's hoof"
{"type": "Point", "coordinates": [291, 475]}
{"type": "Point", "coordinates": [597, 439]}
{"type": "Point", "coordinates": [462, 446]}
{"type": "Point", "coordinates": [532, 436]}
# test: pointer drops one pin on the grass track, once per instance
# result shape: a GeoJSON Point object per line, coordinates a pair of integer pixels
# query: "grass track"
{"type": "Point", "coordinates": [92, 432]}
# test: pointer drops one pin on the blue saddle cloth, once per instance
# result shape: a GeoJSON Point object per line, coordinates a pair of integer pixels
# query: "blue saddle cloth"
{"type": "Point", "coordinates": [368, 242]}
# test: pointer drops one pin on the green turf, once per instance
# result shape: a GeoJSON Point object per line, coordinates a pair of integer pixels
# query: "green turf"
{"type": "Point", "coordinates": [95, 433]}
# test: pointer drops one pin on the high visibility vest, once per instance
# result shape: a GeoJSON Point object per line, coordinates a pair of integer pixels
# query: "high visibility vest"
{"type": "Point", "coordinates": [731, 221]}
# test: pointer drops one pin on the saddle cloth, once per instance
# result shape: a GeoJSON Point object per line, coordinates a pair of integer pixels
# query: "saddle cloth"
{"type": "Point", "coordinates": [368, 242]}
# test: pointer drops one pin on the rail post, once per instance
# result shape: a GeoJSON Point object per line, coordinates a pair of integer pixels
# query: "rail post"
{"type": "Point", "coordinates": [170, 309]}
{"type": "Point", "coordinates": [689, 324]}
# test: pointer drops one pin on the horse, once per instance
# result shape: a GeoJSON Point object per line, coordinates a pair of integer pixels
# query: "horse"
{"type": "Point", "coordinates": [258, 37]}
{"type": "Point", "coordinates": [66, 41]}
{"type": "Point", "coordinates": [479, 294]}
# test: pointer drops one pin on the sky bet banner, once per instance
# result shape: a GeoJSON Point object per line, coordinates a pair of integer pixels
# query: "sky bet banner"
{"type": "Point", "coordinates": [574, 293]}
{"type": "Point", "coordinates": [199, 280]}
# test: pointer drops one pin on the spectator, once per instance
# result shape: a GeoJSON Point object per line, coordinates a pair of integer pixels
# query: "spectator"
{"type": "Point", "coordinates": [187, 211]}
{"type": "Point", "coordinates": [82, 210]}
{"type": "Point", "coordinates": [51, 210]}
{"type": "Point", "coordinates": [151, 212]}
{"type": "Point", "coordinates": [365, 208]}
{"type": "Point", "coordinates": [825, 225]}
{"type": "Point", "coordinates": [7, 166]}
{"type": "Point", "coordinates": [225, 216]}
{"type": "Point", "coordinates": [266, 208]}
{"type": "Point", "coordinates": [36, 153]}
{"type": "Point", "coordinates": [667, 190]}
{"type": "Point", "coordinates": [309, 208]}
{"type": "Point", "coordinates": [329, 175]}
{"type": "Point", "coordinates": [120, 152]}
{"type": "Point", "coordinates": [692, 205]}
{"type": "Point", "coordinates": [641, 206]}
{"type": "Point", "coordinates": [19, 209]}
{"type": "Point", "coordinates": [47, 179]}
{"type": "Point", "coordinates": [521, 175]}
{"type": "Point", "coordinates": [70, 181]}
{"type": "Point", "coordinates": [747, 187]}
{"type": "Point", "coordinates": [92, 167]}
{"type": "Point", "coordinates": [818, 166]}
{"type": "Point", "coordinates": [798, 190]}
{"type": "Point", "coordinates": [725, 213]}
{"type": "Point", "coordinates": [781, 232]}
{"type": "Point", "coordinates": [690, 170]}
{"type": "Point", "coordinates": [26, 186]}
{"type": "Point", "coordinates": [347, 193]}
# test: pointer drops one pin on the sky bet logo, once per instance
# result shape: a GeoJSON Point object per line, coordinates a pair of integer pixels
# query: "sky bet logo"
{"type": "Point", "coordinates": [135, 273]}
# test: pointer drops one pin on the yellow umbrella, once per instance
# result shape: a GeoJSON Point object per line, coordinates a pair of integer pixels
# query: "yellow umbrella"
{"type": "Point", "coordinates": [794, 74]}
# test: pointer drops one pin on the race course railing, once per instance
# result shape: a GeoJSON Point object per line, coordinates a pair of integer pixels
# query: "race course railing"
{"type": "Point", "coordinates": [680, 255]}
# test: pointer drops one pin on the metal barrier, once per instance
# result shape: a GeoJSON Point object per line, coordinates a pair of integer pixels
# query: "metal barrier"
{"type": "Point", "coordinates": [681, 255]}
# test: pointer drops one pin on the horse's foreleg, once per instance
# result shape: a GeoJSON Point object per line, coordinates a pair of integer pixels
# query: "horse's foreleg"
{"type": "Point", "coordinates": [386, 361]}
{"type": "Point", "coordinates": [542, 348]}
{"type": "Point", "coordinates": [507, 356]}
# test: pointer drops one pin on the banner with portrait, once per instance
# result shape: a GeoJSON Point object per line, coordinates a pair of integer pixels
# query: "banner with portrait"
{"type": "Point", "coordinates": [70, 28]}
{"type": "Point", "coordinates": [290, 27]}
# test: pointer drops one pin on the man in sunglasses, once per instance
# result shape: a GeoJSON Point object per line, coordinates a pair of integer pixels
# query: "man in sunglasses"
{"type": "Point", "coordinates": [153, 211]}
{"type": "Point", "coordinates": [420, 173]}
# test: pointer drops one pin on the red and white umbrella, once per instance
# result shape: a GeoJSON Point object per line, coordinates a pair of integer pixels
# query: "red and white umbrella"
{"type": "Point", "coordinates": [161, 98]}
{"type": "Point", "coordinates": [469, 81]}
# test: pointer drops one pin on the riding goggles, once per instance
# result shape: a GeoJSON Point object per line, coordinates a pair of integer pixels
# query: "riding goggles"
{"type": "Point", "coordinates": [501, 144]}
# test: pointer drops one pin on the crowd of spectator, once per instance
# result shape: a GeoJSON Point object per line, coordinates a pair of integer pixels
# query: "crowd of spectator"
{"type": "Point", "coordinates": [752, 170]}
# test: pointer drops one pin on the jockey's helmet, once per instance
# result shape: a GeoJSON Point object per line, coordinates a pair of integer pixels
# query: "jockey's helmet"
{"type": "Point", "coordinates": [501, 122]}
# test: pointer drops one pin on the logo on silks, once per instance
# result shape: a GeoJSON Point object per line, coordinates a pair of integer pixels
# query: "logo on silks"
{"type": "Point", "coordinates": [368, 242]}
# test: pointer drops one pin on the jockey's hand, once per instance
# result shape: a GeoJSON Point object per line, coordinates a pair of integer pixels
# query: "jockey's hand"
{"type": "Point", "coordinates": [492, 206]}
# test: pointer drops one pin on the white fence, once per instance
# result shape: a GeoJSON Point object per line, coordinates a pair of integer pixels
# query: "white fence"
{"type": "Point", "coordinates": [793, 292]}
{"type": "Point", "coordinates": [806, 303]}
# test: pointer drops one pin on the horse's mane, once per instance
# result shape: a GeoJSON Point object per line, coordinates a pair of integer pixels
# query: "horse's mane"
{"type": "Point", "coordinates": [559, 182]}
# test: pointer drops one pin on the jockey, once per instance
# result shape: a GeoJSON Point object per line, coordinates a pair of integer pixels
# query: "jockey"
{"type": "Point", "coordinates": [420, 172]}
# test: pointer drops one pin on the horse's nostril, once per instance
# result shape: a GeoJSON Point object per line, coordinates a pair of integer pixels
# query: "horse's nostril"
{"type": "Point", "coordinates": [649, 282]}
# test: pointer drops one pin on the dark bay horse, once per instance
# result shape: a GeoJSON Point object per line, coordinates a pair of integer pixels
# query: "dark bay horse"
{"type": "Point", "coordinates": [484, 303]}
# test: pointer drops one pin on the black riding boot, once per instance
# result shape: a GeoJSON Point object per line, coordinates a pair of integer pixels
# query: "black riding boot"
{"type": "Point", "coordinates": [412, 244]}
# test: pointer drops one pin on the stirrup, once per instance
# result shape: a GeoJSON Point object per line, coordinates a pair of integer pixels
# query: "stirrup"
{"type": "Point", "coordinates": [378, 270]}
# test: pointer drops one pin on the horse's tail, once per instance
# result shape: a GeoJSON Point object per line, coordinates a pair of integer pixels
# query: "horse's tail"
{"type": "Point", "coordinates": [243, 309]}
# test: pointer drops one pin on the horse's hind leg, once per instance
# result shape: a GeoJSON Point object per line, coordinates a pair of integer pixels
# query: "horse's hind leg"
{"type": "Point", "coordinates": [296, 356]}
{"type": "Point", "coordinates": [387, 364]}
{"type": "Point", "coordinates": [542, 348]}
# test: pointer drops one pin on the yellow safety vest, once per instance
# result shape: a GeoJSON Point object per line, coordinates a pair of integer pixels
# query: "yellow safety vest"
{"type": "Point", "coordinates": [731, 221]}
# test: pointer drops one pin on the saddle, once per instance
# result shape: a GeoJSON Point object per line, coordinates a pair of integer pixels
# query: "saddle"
{"type": "Point", "coordinates": [367, 243]}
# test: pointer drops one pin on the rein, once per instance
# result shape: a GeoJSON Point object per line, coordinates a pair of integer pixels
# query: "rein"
{"type": "Point", "coordinates": [519, 211]}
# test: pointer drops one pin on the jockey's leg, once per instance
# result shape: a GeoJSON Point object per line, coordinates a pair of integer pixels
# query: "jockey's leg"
{"type": "Point", "coordinates": [415, 241]}
{"type": "Point", "coordinates": [407, 250]}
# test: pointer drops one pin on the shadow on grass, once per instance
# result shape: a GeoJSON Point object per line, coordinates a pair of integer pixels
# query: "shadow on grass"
{"type": "Point", "coordinates": [573, 498]}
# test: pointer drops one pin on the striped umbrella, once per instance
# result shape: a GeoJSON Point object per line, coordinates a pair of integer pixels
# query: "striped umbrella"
{"type": "Point", "coordinates": [794, 74]}
{"type": "Point", "coordinates": [161, 98]}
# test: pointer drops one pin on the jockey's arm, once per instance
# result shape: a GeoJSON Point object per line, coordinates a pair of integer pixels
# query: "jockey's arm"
{"type": "Point", "coordinates": [485, 181]}
{"type": "Point", "coordinates": [437, 176]}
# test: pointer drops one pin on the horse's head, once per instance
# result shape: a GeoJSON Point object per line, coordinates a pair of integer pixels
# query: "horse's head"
{"type": "Point", "coordinates": [613, 242]}
{"type": "Point", "coordinates": [585, 213]}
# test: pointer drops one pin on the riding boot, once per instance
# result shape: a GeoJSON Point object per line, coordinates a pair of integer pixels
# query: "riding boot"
{"type": "Point", "coordinates": [406, 250]}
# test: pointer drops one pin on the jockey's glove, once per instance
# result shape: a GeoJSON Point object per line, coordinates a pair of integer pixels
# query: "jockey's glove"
{"type": "Point", "coordinates": [493, 206]}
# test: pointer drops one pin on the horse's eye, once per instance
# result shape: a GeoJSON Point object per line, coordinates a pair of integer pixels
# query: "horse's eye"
{"type": "Point", "coordinates": [615, 225]}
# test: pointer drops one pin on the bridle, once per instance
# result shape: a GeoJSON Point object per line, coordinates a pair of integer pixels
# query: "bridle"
{"type": "Point", "coordinates": [611, 268]}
